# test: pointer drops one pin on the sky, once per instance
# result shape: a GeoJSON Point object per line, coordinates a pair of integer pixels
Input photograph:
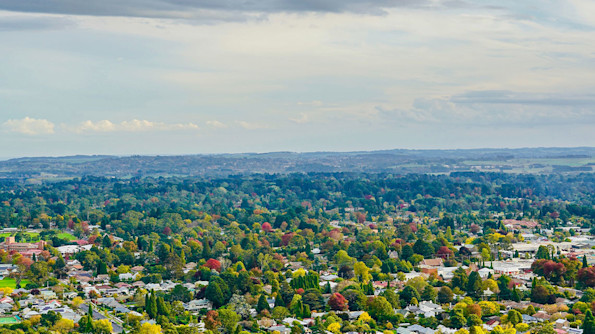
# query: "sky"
{"type": "Point", "coordinates": [225, 76]}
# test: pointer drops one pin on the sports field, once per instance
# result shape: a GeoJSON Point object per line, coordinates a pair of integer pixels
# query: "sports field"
{"type": "Point", "coordinates": [10, 282]}
{"type": "Point", "coordinates": [9, 320]}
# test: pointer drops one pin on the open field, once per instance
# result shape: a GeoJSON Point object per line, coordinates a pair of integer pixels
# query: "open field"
{"type": "Point", "coordinates": [10, 283]}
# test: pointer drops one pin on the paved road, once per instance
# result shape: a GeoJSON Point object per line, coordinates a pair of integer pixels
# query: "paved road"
{"type": "Point", "coordinates": [98, 316]}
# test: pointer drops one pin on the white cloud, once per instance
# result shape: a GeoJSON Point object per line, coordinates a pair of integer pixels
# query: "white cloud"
{"type": "Point", "coordinates": [134, 125]}
{"type": "Point", "coordinates": [29, 126]}
{"type": "Point", "coordinates": [99, 126]}
{"type": "Point", "coordinates": [304, 118]}
{"type": "Point", "coordinates": [216, 124]}
{"type": "Point", "coordinates": [252, 125]}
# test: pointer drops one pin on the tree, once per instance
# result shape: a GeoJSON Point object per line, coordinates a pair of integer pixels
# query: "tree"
{"type": "Point", "coordinates": [77, 301]}
{"type": "Point", "coordinates": [445, 295]}
{"type": "Point", "coordinates": [408, 294]}
{"type": "Point", "coordinates": [334, 328]}
{"type": "Point", "coordinates": [214, 294]}
{"type": "Point", "coordinates": [540, 294]}
{"type": "Point", "coordinates": [313, 298]}
{"type": "Point", "coordinates": [181, 293]}
{"type": "Point", "coordinates": [457, 320]}
{"type": "Point", "coordinates": [589, 323]}
{"type": "Point", "coordinates": [213, 265]}
{"type": "Point", "coordinates": [280, 312]}
{"type": "Point", "coordinates": [356, 299]}
{"type": "Point", "coordinates": [503, 285]}
{"type": "Point", "coordinates": [514, 317]}
{"type": "Point", "coordinates": [101, 268]}
{"type": "Point", "coordinates": [474, 320]}
{"type": "Point", "coordinates": [267, 227]}
{"type": "Point", "coordinates": [406, 252]}
{"type": "Point", "coordinates": [229, 319]}
{"type": "Point", "coordinates": [337, 302]}
{"type": "Point", "coordinates": [106, 242]}
{"type": "Point", "coordinates": [151, 305]}
{"type": "Point", "coordinates": [542, 253]}
{"type": "Point", "coordinates": [103, 326]}
{"type": "Point", "coordinates": [86, 324]}
{"type": "Point", "coordinates": [362, 272]}
{"type": "Point", "coordinates": [148, 328]}
{"type": "Point", "coordinates": [262, 304]}
{"type": "Point", "coordinates": [212, 321]}
{"type": "Point", "coordinates": [162, 307]}
{"type": "Point", "coordinates": [63, 325]}
{"type": "Point", "coordinates": [586, 276]}
{"type": "Point", "coordinates": [459, 279]}
{"type": "Point", "coordinates": [474, 284]}
{"type": "Point", "coordinates": [380, 308]}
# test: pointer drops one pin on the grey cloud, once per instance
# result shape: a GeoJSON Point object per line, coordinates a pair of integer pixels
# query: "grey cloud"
{"type": "Point", "coordinates": [187, 9]}
{"type": "Point", "coordinates": [30, 23]}
{"type": "Point", "coordinates": [497, 108]}
{"type": "Point", "coordinates": [509, 97]}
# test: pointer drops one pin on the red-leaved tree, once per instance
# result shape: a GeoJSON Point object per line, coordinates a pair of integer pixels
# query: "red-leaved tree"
{"type": "Point", "coordinates": [337, 302]}
{"type": "Point", "coordinates": [213, 264]}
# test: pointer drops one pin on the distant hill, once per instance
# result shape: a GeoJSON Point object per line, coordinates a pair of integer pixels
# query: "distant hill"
{"type": "Point", "coordinates": [399, 161]}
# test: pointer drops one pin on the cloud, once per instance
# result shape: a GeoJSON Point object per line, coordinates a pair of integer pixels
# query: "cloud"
{"type": "Point", "coordinates": [497, 108]}
{"type": "Point", "coordinates": [134, 125]}
{"type": "Point", "coordinates": [99, 126]}
{"type": "Point", "coordinates": [304, 118]}
{"type": "Point", "coordinates": [216, 124]}
{"type": "Point", "coordinates": [38, 22]}
{"type": "Point", "coordinates": [29, 126]}
{"type": "Point", "coordinates": [252, 125]}
{"type": "Point", "coordinates": [197, 9]}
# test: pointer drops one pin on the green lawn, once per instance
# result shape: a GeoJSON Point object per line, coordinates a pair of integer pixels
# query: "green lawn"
{"type": "Point", "coordinates": [66, 236]}
{"type": "Point", "coordinates": [8, 320]}
{"type": "Point", "coordinates": [33, 236]}
{"type": "Point", "coordinates": [10, 282]}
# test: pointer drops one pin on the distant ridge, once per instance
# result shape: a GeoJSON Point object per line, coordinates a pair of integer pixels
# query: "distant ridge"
{"type": "Point", "coordinates": [399, 161]}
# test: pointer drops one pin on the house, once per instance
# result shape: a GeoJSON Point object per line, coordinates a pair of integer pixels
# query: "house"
{"type": "Point", "coordinates": [5, 307]}
{"type": "Point", "coordinates": [198, 304]}
{"type": "Point", "coordinates": [484, 273]}
{"type": "Point", "coordinates": [530, 319]}
{"type": "Point", "coordinates": [562, 324]}
{"type": "Point", "coordinates": [281, 329]}
{"type": "Point", "coordinates": [127, 276]}
{"type": "Point", "coordinates": [69, 250]}
{"type": "Point", "coordinates": [415, 329]}
{"type": "Point", "coordinates": [137, 269]}
{"type": "Point", "coordinates": [48, 294]}
{"type": "Point", "coordinates": [328, 277]}
{"type": "Point", "coordinates": [432, 263]}
{"type": "Point", "coordinates": [429, 309]}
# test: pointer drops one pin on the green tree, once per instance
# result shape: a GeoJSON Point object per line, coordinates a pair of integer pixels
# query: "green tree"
{"type": "Point", "coordinates": [589, 323]}
{"type": "Point", "coordinates": [262, 304]}
{"type": "Point", "coordinates": [445, 295]}
{"type": "Point", "coordinates": [214, 294]}
{"type": "Point", "coordinates": [474, 284]}
{"type": "Point", "coordinates": [162, 307]}
{"type": "Point", "coordinates": [380, 309]}
{"type": "Point", "coordinates": [229, 319]}
{"type": "Point", "coordinates": [429, 293]}
{"type": "Point", "coordinates": [407, 295]}
{"type": "Point", "coordinates": [515, 317]}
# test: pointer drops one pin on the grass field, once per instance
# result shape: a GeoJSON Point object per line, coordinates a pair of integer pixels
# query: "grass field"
{"type": "Point", "coordinates": [8, 320]}
{"type": "Point", "coordinates": [10, 282]}
{"type": "Point", "coordinates": [33, 236]}
{"type": "Point", "coordinates": [66, 236]}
